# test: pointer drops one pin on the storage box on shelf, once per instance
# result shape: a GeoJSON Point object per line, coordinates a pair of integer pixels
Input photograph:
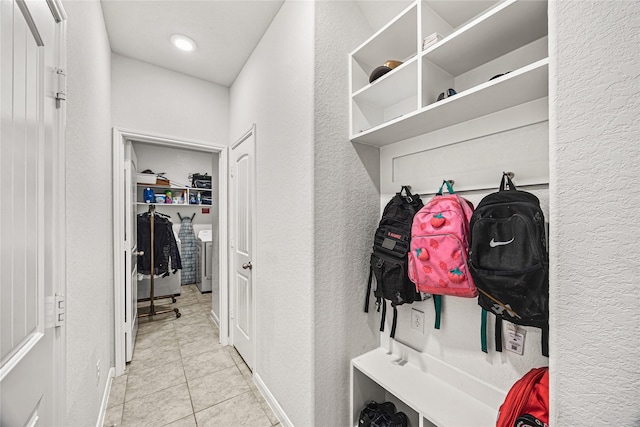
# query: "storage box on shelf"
{"type": "Point", "coordinates": [152, 179]}
{"type": "Point", "coordinates": [428, 391]}
{"type": "Point", "coordinates": [508, 37]}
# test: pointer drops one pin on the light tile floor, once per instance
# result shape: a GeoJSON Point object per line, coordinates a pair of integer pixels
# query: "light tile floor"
{"type": "Point", "coordinates": [180, 375]}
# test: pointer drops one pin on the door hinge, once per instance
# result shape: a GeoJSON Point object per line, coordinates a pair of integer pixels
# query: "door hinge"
{"type": "Point", "coordinates": [59, 310]}
{"type": "Point", "coordinates": [61, 90]}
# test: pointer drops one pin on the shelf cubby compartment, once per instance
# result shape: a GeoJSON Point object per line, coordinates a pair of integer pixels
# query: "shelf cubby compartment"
{"type": "Point", "coordinates": [436, 80]}
{"type": "Point", "coordinates": [445, 17]}
{"type": "Point", "coordinates": [395, 41]}
{"type": "Point", "coordinates": [430, 392]}
{"type": "Point", "coordinates": [367, 390]}
{"type": "Point", "coordinates": [391, 96]}
{"type": "Point", "coordinates": [502, 29]}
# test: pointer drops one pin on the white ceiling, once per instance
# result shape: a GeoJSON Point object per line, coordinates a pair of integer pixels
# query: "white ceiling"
{"type": "Point", "coordinates": [226, 31]}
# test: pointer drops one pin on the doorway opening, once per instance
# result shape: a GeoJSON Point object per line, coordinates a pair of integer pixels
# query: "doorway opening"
{"type": "Point", "coordinates": [171, 154]}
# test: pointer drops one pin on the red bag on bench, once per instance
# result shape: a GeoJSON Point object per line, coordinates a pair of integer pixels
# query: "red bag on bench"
{"type": "Point", "coordinates": [527, 403]}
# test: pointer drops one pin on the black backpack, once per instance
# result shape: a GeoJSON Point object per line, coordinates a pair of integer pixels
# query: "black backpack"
{"type": "Point", "coordinates": [509, 262]}
{"type": "Point", "coordinates": [389, 260]}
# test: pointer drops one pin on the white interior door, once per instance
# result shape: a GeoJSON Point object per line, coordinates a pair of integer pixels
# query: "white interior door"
{"type": "Point", "coordinates": [131, 251]}
{"type": "Point", "coordinates": [32, 252]}
{"type": "Point", "coordinates": [242, 226]}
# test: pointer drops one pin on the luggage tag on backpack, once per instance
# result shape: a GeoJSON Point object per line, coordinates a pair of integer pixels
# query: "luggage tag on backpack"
{"type": "Point", "coordinates": [515, 339]}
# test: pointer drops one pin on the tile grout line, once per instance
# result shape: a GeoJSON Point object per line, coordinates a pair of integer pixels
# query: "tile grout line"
{"type": "Point", "coordinates": [184, 372]}
{"type": "Point", "coordinates": [199, 307]}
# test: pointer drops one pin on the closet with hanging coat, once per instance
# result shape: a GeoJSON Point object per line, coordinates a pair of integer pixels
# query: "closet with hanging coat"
{"type": "Point", "coordinates": [159, 253]}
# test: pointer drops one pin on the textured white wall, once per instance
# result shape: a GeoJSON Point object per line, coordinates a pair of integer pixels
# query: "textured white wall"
{"type": "Point", "coordinates": [346, 209]}
{"type": "Point", "coordinates": [152, 99]}
{"type": "Point", "coordinates": [595, 197]}
{"type": "Point", "coordinates": [89, 314]}
{"type": "Point", "coordinates": [275, 91]}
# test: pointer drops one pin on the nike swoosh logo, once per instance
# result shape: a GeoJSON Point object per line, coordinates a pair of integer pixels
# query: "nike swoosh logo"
{"type": "Point", "coordinates": [493, 243]}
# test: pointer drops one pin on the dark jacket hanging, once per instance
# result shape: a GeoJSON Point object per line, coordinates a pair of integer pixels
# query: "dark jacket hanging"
{"type": "Point", "coordinates": [166, 252]}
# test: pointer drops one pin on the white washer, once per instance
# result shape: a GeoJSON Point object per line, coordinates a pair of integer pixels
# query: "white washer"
{"type": "Point", "coordinates": [206, 260]}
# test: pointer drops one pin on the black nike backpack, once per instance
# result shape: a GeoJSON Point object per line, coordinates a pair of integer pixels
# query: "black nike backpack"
{"type": "Point", "coordinates": [509, 262]}
{"type": "Point", "coordinates": [389, 261]}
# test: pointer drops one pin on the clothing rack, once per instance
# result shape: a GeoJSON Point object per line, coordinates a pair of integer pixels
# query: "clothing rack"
{"type": "Point", "coordinates": [152, 307]}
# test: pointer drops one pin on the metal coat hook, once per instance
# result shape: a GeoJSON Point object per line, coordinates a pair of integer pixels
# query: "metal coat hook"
{"type": "Point", "coordinates": [510, 176]}
{"type": "Point", "coordinates": [408, 189]}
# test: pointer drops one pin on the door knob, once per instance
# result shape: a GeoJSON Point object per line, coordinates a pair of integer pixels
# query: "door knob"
{"type": "Point", "coordinates": [138, 253]}
{"type": "Point", "coordinates": [247, 265]}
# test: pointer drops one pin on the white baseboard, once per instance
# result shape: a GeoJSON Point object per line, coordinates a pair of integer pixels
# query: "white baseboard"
{"type": "Point", "coordinates": [271, 401]}
{"type": "Point", "coordinates": [215, 319]}
{"type": "Point", "coordinates": [105, 397]}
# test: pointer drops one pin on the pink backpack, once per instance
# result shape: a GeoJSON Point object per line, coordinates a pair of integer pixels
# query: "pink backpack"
{"type": "Point", "coordinates": [439, 248]}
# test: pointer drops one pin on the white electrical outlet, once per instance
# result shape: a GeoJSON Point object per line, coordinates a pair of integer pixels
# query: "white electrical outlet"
{"type": "Point", "coordinates": [417, 320]}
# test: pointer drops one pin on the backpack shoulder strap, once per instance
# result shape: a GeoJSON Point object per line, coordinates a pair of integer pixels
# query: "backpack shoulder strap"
{"type": "Point", "coordinates": [437, 303]}
{"type": "Point", "coordinates": [366, 301]}
{"type": "Point", "coordinates": [395, 321]}
{"type": "Point", "coordinates": [498, 332]}
{"type": "Point", "coordinates": [545, 339]}
{"type": "Point", "coordinates": [483, 331]}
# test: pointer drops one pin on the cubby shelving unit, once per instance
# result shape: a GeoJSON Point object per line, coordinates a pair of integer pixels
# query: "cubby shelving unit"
{"type": "Point", "coordinates": [496, 59]}
{"type": "Point", "coordinates": [510, 37]}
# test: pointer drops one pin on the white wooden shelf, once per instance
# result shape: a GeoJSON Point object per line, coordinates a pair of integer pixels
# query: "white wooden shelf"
{"type": "Point", "coordinates": [518, 87]}
{"type": "Point", "coordinates": [439, 394]}
{"type": "Point", "coordinates": [173, 204]}
{"type": "Point", "coordinates": [176, 191]}
{"type": "Point", "coordinates": [172, 187]}
{"type": "Point", "coordinates": [507, 27]}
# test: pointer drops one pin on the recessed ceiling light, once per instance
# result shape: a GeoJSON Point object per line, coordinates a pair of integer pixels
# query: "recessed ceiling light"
{"type": "Point", "coordinates": [183, 42]}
